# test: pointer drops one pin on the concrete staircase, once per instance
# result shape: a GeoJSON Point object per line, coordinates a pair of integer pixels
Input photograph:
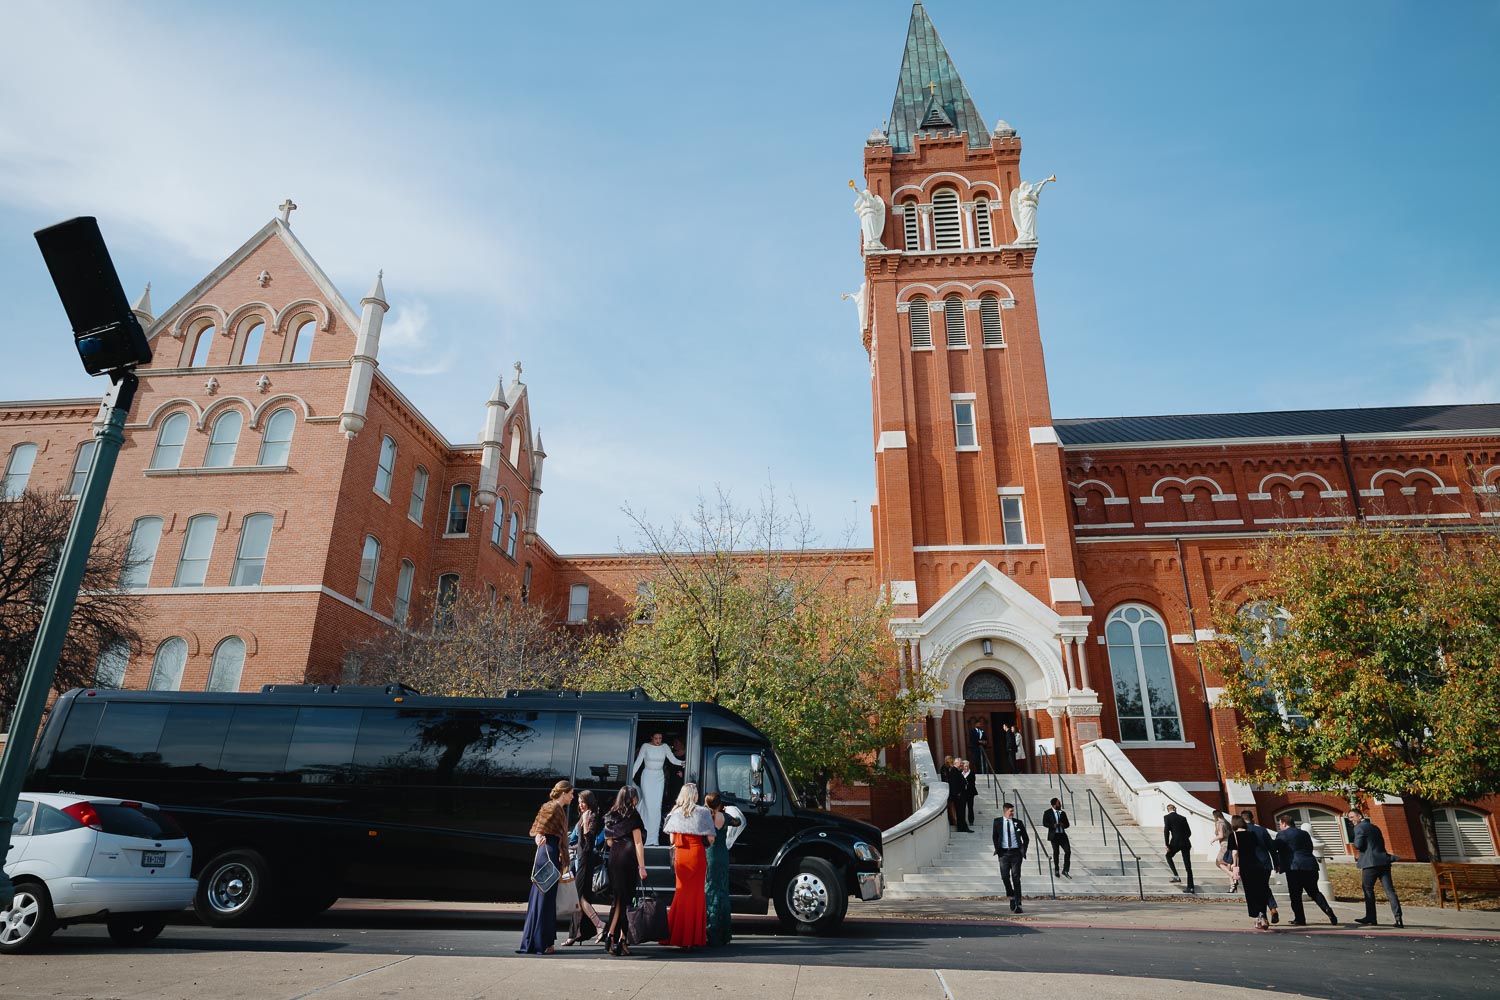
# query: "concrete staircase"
{"type": "Point", "coordinates": [968, 868]}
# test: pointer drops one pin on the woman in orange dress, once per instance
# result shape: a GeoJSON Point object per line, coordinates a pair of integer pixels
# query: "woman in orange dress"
{"type": "Point", "coordinates": [692, 829]}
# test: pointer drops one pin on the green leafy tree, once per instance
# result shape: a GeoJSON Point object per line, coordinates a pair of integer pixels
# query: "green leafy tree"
{"type": "Point", "coordinates": [737, 616]}
{"type": "Point", "coordinates": [1366, 663]}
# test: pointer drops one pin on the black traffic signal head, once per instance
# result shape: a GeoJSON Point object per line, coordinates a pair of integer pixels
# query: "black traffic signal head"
{"type": "Point", "coordinates": [105, 331]}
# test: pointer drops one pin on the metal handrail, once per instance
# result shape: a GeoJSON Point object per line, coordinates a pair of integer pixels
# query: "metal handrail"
{"type": "Point", "coordinates": [1120, 844]}
{"type": "Point", "coordinates": [1039, 841]}
{"type": "Point", "coordinates": [1056, 769]}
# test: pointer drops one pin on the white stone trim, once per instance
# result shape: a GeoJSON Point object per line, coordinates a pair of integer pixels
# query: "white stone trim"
{"type": "Point", "coordinates": [1199, 786]}
{"type": "Point", "coordinates": [1205, 634]}
{"type": "Point", "coordinates": [1182, 639]}
{"type": "Point", "coordinates": [890, 439]}
{"type": "Point", "coordinates": [1064, 588]}
{"type": "Point", "coordinates": [1011, 491]}
{"type": "Point", "coordinates": [1029, 547]}
{"type": "Point", "coordinates": [1110, 524]}
{"type": "Point", "coordinates": [1466, 432]}
{"type": "Point", "coordinates": [1193, 524]}
{"type": "Point", "coordinates": [903, 592]}
{"type": "Point", "coordinates": [1043, 435]}
{"type": "Point", "coordinates": [1416, 517]}
{"type": "Point", "coordinates": [1157, 745]}
{"type": "Point", "coordinates": [1214, 694]}
{"type": "Point", "coordinates": [1116, 500]}
{"type": "Point", "coordinates": [1151, 499]}
{"type": "Point", "coordinates": [962, 395]}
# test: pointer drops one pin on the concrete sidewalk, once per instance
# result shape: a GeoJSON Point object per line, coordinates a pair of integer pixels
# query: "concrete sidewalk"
{"type": "Point", "coordinates": [283, 976]}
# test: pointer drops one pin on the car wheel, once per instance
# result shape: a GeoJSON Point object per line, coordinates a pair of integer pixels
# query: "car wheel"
{"type": "Point", "coordinates": [234, 889]}
{"type": "Point", "coordinates": [135, 929]}
{"type": "Point", "coordinates": [30, 921]}
{"type": "Point", "coordinates": [812, 899]}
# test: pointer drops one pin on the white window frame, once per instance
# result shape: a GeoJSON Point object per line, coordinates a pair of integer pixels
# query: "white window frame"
{"type": "Point", "coordinates": [418, 503]}
{"type": "Point", "coordinates": [244, 560]}
{"type": "Point", "coordinates": [1012, 512]}
{"type": "Point", "coordinates": [83, 461]}
{"type": "Point", "coordinates": [404, 579]}
{"type": "Point", "coordinates": [369, 571]}
{"type": "Point", "coordinates": [385, 474]}
{"type": "Point", "coordinates": [959, 424]}
{"type": "Point", "coordinates": [310, 327]}
{"type": "Point", "coordinates": [269, 439]}
{"type": "Point", "coordinates": [1449, 815]}
{"type": "Point", "coordinates": [203, 345]}
{"type": "Point", "coordinates": [138, 565]}
{"type": "Point", "coordinates": [110, 667]}
{"type": "Point", "coordinates": [259, 341]}
{"type": "Point", "coordinates": [195, 527]}
{"type": "Point", "coordinates": [16, 478]}
{"type": "Point", "coordinates": [215, 457]}
{"type": "Point", "coordinates": [1147, 614]}
{"type": "Point", "coordinates": [578, 609]}
{"type": "Point", "coordinates": [162, 448]}
{"type": "Point", "coordinates": [512, 532]}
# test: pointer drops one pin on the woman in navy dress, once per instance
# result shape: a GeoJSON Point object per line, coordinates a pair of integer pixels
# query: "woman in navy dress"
{"type": "Point", "coordinates": [550, 831]}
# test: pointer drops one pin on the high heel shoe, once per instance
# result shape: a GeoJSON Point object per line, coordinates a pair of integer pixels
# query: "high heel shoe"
{"type": "Point", "coordinates": [1400, 922]}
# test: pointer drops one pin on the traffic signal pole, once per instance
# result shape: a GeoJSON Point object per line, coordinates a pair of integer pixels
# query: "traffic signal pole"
{"type": "Point", "coordinates": [61, 599]}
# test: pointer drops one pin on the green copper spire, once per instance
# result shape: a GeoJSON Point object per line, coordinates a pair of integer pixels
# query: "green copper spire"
{"type": "Point", "coordinates": [930, 95]}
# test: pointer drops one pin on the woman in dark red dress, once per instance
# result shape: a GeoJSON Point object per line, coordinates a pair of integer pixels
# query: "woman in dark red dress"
{"type": "Point", "coordinates": [692, 830]}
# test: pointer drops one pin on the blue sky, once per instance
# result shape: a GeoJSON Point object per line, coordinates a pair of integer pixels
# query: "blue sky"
{"type": "Point", "coordinates": [1288, 205]}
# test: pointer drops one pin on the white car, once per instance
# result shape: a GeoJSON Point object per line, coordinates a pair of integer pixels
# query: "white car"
{"type": "Point", "coordinates": [74, 858]}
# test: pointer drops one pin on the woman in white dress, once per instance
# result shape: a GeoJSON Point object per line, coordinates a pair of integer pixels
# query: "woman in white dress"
{"type": "Point", "coordinates": [651, 761]}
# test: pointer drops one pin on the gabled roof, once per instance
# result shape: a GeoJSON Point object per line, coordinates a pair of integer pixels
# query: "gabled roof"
{"type": "Point", "coordinates": [278, 229]}
{"type": "Point", "coordinates": [925, 63]}
{"type": "Point", "coordinates": [1403, 421]}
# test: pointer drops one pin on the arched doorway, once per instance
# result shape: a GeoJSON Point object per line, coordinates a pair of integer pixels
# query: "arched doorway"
{"type": "Point", "coordinates": [990, 702]}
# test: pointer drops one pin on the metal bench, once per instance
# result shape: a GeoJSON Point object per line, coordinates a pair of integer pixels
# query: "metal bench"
{"type": "Point", "coordinates": [1453, 877]}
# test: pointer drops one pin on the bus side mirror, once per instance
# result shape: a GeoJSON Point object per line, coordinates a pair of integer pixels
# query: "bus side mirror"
{"type": "Point", "coordinates": [758, 794]}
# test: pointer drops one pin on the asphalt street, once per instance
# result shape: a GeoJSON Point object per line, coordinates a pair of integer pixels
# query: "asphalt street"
{"type": "Point", "coordinates": [1326, 964]}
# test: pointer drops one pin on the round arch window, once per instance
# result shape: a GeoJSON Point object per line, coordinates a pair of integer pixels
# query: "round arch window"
{"type": "Point", "coordinates": [987, 685]}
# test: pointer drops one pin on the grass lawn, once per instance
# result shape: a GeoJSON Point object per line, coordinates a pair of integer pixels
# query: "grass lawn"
{"type": "Point", "coordinates": [1413, 885]}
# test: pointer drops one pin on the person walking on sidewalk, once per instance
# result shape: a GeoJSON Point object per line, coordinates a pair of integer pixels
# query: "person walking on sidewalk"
{"type": "Point", "coordinates": [1247, 868]}
{"type": "Point", "coordinates": [625, 840]}
{"type": "Point", "coordinates": [1301, 867]}
{"type": "Point", "coordinates": [1011, 841]}
{"type": "Point", "coordinates": [1224, 838]}
{"type": "Point", "coordinates": [1374, 866]}
{"type": "Point", "coordinates": [1266, 854]}
{"type": "Point", "coordinates": [1179, 840]}
{"type": "Point", "coordinates": [1055, 820]}
{"type": "Point", "coordinates": [586, 861]}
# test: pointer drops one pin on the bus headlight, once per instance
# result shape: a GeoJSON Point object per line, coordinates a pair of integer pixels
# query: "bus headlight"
{"type": "Point", "coordinates": [865, 852]}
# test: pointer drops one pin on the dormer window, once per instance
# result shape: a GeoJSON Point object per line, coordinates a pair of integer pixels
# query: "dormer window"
{"type": "Point", "coordinates": [947, 230]}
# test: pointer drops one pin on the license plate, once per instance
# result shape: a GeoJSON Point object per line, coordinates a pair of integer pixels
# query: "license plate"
{"type": "Point", "coordinates": [153, 859]}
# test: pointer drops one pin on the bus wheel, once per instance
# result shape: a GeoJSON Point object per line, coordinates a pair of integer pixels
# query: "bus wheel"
{"type": "Point", "coordinates": [233, 890]}
{"type": "Point", "coordinates": [812, 899]}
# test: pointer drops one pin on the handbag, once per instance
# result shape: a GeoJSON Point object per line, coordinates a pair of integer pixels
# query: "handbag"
{"type": "Point", "coordinates": [601, 881]}
{"type": "Point", "coordinates": [544, 873]}
{"type": "Point", "coordinates": [646, 921]}
{"type": "Point", "coordinates": [567, 895]}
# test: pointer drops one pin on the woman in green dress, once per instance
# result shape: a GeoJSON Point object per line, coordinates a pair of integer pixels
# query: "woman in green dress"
{"type": "Point", "coordinates": [717, 889]}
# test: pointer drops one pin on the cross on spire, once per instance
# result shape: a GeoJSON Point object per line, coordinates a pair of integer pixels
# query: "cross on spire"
{"type": "Point", "coordinates": [931, 89]}
{"type": "Point", "coordinates": [287, 208]}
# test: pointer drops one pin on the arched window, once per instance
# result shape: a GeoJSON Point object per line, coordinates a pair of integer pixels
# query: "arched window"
{"type": "Point", "coordinates": [988, 685]}
{"type": "Point", "coordinates": [1141, 664]}
{"type": "Point", "coordinates": [201, 347]}
{"type": "Point", "coordinates": [166, 668]}
{"type": "Point", "coordinates": [369, 565]}
{"type": "Point", "coordinates": [227, 665]}
{"type": "Point", "coordinates": [276, 442]}
{"type": "Point", "coordinates": [140, 553]}
{"type": "Point", "coordinates": [458, 510]}
{"type": "Point", "coordinates": [18, 469]}
{"type": "Point", "coordinates": [385, 470]}
{"type": "Point", "coordinates": [517, 430]}
{"type": "Point", "coordinates": [403, 590]}
{"type": "Point", "coordinates": [1329, 827]}
{"type": "Point", "coordinates": [1273, 625]}
{"type": "Point", "coordinates": [983, 231]}
{"type": "Point", "coordinates": [1463, 834]}
{"type": "Point", "coordinates": [197, 548]}
{"type": "Point", "coordinates": [223, 440]}
{"type": "Point", "coordinates": [447, 593]}
{"type": "Point", "coordinates": [302, 341]}
{"type": "Point", "coordinates": [989, 321]}
{"type": "Point", "coordinates": [911, 226]}
{"type": "Point", "coordinates": [109, 669]}
{"type": "Point", "coordinates": [250, 559]}
{"type": "Point", "coordinates": [953, 321]}
{"type": "Point", "coordinates": [510, 537]}
{"type": "Point", "coordinates": [250, 341]}
{"type": "Point", "coordinates": [418, 494]}
{"type": "Point", "coordinates": [169, 441]}
{"type": "Point", "coordinates": [921, 323]}
{"type": "Point", "coordinates": [947, 230]}
{"type": "Point", "coordinates": [82, 462]}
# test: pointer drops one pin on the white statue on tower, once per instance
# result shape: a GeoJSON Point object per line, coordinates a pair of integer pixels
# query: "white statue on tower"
{"type": "Point", "coordinates": [1023, 208]}
{"type": "Point", "coordinates": [861, 303]}
{"type": "Point", "coordinates": [871, 212]}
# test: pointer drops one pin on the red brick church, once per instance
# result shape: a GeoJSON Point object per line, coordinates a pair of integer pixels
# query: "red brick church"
{"type": "Point", "coordinates": [1056, 573]}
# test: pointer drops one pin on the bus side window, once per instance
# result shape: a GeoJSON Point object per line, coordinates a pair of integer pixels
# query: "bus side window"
{"type": "Point", "coordinates": [125, 745]}
{"type": "Point", "coordinates": [519, 747]}
{"type": "Point", "coordinates": [193, 741]}
{"type": "Point", "coordinates": [732, 772]}
{"type": "Point", "coordinates": [75, 741]}
{"type": "Point", "coordinates": [256, 747]}
{"type": "Point", "coordinates": [322, 746]}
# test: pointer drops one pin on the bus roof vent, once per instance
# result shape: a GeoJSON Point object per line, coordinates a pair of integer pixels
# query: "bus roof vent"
{"type": "Point", "coordinates": [399, 690]}
{"type": "Point", "coordinates": [634, 694]}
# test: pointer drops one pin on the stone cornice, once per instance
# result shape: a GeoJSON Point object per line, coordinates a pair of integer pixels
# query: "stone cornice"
{"type": "Point", "coordinates": [30, 410]}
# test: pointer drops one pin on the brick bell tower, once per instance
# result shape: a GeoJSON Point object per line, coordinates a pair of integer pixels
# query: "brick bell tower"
{"type": "Point", "coordinates": [973, 533]}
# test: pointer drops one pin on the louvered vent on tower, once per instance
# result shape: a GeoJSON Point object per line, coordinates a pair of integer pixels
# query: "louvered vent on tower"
{"type": "Point", "coordinates": [953, 320]}
{"type": "Point", "coordinates": [921, 323]}
{"type": "Point", "coordinates": [989, 321]}
{"type": "Point", "coordinates": [982, 231]}
{"type": "Point", "coordinates": [947, 230]}
{"type": "Point", "coordinates": [912, 224]}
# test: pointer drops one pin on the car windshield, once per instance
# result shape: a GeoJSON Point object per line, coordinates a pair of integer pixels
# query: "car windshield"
{"type": "Point", "coordinates": [133, 821]}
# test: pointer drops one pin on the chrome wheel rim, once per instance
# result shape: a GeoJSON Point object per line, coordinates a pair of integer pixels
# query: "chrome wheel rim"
{"type": "Point", "coordinates": [18, 922]}
{"type": "Point", "coordinates": [230, 887]}
{"type": "Point", "coordinates": [807, 897]}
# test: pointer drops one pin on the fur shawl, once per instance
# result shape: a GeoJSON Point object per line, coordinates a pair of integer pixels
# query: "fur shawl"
{"type": "Point", "coordinates": [699, 822]}
{"type": "Point", "coordinates": [552, 821]}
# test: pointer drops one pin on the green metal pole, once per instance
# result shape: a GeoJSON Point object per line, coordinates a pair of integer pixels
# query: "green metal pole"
{"type": "Point", "coordinates": [58, 614]}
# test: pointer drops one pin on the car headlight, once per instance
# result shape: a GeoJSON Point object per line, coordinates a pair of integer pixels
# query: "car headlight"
{"type": "Point", "coordinates": [865, 852]}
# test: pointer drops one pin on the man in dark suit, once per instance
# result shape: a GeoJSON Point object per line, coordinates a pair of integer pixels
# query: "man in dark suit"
{"type": "Point", "coordinates": [1374, 866]}
{"type": "Point", "coordinates": [1301, 867]}
{"type": "Point", "coordinates": [957, 798]}
{"type": "Point", "coordinates": [1179, 839]}
{"type": "Point", "coordinates": [971, 791]}
{"type": "Point", "coordinates": [978, 746]}
{"type": "Point", "coordinates": [1055, 820]}
{"type": "Point", "coordinates": [1011, 841]}
{"type": "Point", "coordinates": [1265, 853]}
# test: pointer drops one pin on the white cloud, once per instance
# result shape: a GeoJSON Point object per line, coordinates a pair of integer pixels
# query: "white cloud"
{"type": "Point", "coordinates": [406, 342]}
{"type": "Point", "coordinates": [1464, 363]}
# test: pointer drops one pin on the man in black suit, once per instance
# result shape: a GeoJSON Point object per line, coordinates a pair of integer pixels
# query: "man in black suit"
{"type": "Point", "coordinates": [977, 746]}
{"type": "Point", "coordinates": [958, 794]}
{"type": "Point", "coordinates": [1011, 841]}
{"type": "Point", "coordinates": [971, 791]}
{"type": "Point", "coordinates": [1179, 838]}
{"type": "Point", "coordinates": [1055, 820]}
{"type": "Point", "coordinates": [1374, 866]}
{"type": "Point", "coordinates": [1301, 866]}
{"type": "Point", "coordinates": [1012, 742]}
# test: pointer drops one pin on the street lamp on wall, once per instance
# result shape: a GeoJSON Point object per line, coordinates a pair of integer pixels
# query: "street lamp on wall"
{"type": "Point", "coordinates": [987, 647]}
